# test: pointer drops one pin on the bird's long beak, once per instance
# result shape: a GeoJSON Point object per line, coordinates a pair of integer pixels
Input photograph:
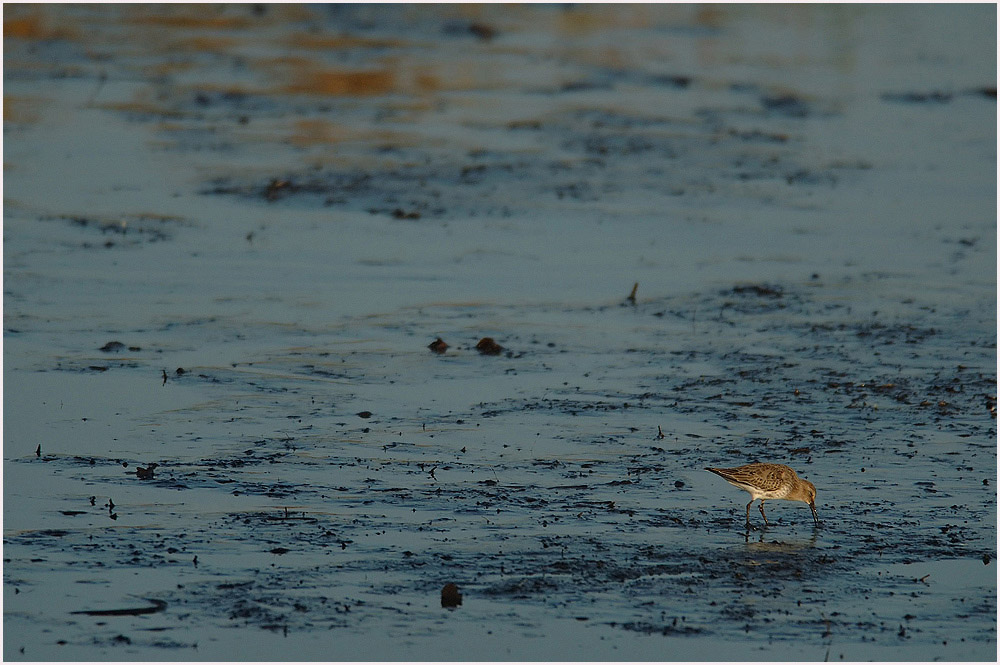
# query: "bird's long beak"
{"type": "Point", "coordinates": [812, 507]}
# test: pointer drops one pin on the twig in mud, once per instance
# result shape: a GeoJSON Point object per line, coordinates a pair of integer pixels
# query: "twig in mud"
{"type": "Point", "coordinates": [101, 80]}
{"type": "Point", "coordinates": [631, 296]}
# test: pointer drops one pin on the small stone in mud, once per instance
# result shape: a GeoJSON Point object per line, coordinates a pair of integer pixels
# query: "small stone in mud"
{"type": "Point", "coordinates": [483, 31]}
{"type": "Point", "coordinates": [450, 597]}
{"type": "Point", "coordinates": [399, 213]}
{"type": "Point", "coordinates": [274, 188]}
{"type": "Point", "coordinates": [438, 346]}
{"type": "Point", "coordinates": [280, 550]}
{"type": "Point", "coordinates": [113, 347]}
{"type": "Point", "coordinates": [364, 414]}
{"type": "Point", "coordinates": [759, 290]}
{"type": "Point", "coordinates": [488, 347]}
{"type": "Point", "coordinates": [180, 371]}
{"type": "Point", "coordinates": [786, 105]}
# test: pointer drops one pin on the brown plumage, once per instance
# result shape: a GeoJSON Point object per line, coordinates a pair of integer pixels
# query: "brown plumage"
{"type": "Point", "coordinates": [769, 481]}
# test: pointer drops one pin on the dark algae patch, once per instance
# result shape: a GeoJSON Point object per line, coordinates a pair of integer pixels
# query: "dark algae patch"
{"type": "Point", "coordinates": [362, 332]}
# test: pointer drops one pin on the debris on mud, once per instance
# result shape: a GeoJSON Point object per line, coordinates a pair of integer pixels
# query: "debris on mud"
{"type": "Point", "coordinates": [146, 473]}
{"type": "Point", "coordinates": [158, 606]}
{"type": "Point", "coordinates": [488, 347]}
{"type": "Point", "coordinates": [450, 597]}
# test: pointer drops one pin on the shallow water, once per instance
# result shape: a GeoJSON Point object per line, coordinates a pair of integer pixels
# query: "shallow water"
{"type": "Point", "coordinates": [274, 211]}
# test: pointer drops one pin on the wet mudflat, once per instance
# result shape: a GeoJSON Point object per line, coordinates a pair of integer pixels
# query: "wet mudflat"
{"type": "Point", "coordinates": [231, 234]}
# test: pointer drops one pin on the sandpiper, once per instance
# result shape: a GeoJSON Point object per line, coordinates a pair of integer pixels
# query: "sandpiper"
{"type": "Point", "coordinates": [770, 481]}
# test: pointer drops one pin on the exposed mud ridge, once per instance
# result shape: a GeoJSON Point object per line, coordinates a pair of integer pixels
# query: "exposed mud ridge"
{"type": "Point", "coordinates": [414, 183]}
{"type": "Point", "coordinates": [516, 504]}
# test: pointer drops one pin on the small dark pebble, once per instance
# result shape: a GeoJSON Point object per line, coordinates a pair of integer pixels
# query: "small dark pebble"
{"type": "Point", "coordinates": [934, 97]}
{"type": "Point", "coordinates": [399, 213]}
{"type": "Point", "coordinates": [787, 105]}
{"type": "Point", "coordinates": [483, 31]}
{"type": "Point", "coordinates": [488, 347]}
{"type": "Point", "coordinates": [676, 81]}
{"type": "Point", "coordinates": [364, 414]}
{"type": "Point", "coordinates": [280, 550]}
{"type": "Point", "coordinates": [275, 188]}
{"type": "Point", "coordinates": [180, 371]}
{"type": "Point", "coordinates": [113, 347]}
{"type": "Point", "coordinates": [679, 484]}
{"type": "Point", "coordinates": [758, 290]}
{"type": "Point", "coordinates": [450, 597]}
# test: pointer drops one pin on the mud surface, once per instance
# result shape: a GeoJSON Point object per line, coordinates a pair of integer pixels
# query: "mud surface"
{"type": "Point", "coordinates": [231, 234]}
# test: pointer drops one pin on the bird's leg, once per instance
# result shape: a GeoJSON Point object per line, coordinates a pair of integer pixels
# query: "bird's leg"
{"type": "Point", "coordinates": [761, 506]}
{"type": "Point", "coordinates": [812, 507]}
{"type": "Point", "coordinates": [748, 514]}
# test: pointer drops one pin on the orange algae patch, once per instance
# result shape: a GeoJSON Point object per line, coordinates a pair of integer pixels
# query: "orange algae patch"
{"type": "Point", "coordinates": [29, 27]}
{"type": "Point", "coordinates": [347, 83]}
{"type": "Point", "coordinates": [33, 27]}
{"type": "Point", "coordinates": [21, 110]}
